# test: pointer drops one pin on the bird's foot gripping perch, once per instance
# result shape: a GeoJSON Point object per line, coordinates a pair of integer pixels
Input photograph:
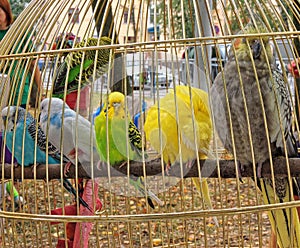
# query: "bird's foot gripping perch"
{"type": "Point", "coordinates": [67, 168]}
{"type": "Point", "coordinates": [258, 170]}
{"type": "Point", "coordinates": [72, 154]}
{"type": "Point", "coordinates": [33, 168]}
{"type": "Point", "coordinates": [124, 163]}
{"type": "Point", "coordinates": [189, 164]}
{"type": "Point", "coordinates": [240, 168]}
{"type": "Point", "coordinates": [168, 167]}
{"type": "Point", "coordinates": [100, 165]}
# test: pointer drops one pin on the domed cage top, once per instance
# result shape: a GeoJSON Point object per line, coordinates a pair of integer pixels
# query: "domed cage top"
{"type": "Point", "coordinates": [151, 124]}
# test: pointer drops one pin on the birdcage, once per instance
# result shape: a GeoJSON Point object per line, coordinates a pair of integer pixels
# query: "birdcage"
{"type": "Point", "coordinates": [170, 162]}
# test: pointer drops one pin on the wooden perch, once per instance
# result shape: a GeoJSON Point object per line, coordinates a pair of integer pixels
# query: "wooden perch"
{"type": "Point", "coordinates": [209, 168]}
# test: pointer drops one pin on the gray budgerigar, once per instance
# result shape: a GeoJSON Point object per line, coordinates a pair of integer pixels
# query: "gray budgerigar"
{"type": "Point", "coordinates": [252, 108]}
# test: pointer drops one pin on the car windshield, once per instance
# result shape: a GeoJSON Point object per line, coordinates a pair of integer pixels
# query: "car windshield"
{"type": "Point", "coordinates": [222, 51]}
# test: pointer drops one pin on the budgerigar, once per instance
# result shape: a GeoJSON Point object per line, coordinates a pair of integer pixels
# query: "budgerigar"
{"type": "Point", "coordinates": [27, 142]}
{"type": "Point", "coordinates": [256, 103]}
{"type": "Point", "coordinates": [78, 133]}
{"type": "Point", "coordinates": [72, 64]}
{"type": "Point", "coordinates": [115, 130]}
{"type": "Point", "coordinates": [191, 124]}
{"type": "Point", "coordinates": [12, 191]}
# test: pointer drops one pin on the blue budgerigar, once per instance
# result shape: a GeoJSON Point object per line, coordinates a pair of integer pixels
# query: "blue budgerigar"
{"type": "Point", "coordinates": [27, 142]}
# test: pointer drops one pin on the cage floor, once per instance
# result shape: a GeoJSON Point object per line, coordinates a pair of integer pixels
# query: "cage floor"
{"type": "Point", "coordinates": [247, 230]}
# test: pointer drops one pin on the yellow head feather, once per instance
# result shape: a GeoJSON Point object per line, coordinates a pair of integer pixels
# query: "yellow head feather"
{"type": "Point", "coordinates": [115, 106]}
{"type": "Point", "coordinates": [241, 47]}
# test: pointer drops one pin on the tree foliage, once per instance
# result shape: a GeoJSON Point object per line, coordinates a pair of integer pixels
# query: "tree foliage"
{"type": "Point", "coordinates": [178, 15]}
{"type": "Point", "coordinates": [17, 6]}
{"type": "Point", "coordinates": [239, 13]}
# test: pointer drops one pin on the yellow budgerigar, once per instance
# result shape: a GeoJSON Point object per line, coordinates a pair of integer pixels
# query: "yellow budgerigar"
{"type": "Point", "coordinates": [180, 127]}
{"type": "Point", "coordinates": [118, 140]}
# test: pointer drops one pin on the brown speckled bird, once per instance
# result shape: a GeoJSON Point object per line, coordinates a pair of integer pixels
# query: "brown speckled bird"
{"type": "Point", "coordinates": [250, 99]}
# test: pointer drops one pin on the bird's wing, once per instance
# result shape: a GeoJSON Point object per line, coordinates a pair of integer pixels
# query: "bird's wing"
{"type": "Point", "coordinates": [220, 112]}
{"type": "Point", "coordinates": [73, 61]}
{"type": "Point", "coordinates": [164, 125]}
{"type": "Point", "coordinates": [203, 119]}
{"type": "Point", "coordinates": [120, 144]}
{"type": "Point", "coordinates": [283, 100]}
{"type": "Point", "coordinates": [195, 124]}
{"type": "Point", "coordinates": [81, 131]}
{"type": "Point", "coordinates": [74, 71]}
{"type": "Point", "coordinates": [36, 132]}
{"type": "Point", "coordinates": [158, 133]}
{"type": "Point", "coordinates": [183, 117]}
{"type": "Point", "coordinates": [198, 118]}
{"type": "Point", "coordinates": [60, 79]}
{"type": "Point", "coordinates": [135, 138]}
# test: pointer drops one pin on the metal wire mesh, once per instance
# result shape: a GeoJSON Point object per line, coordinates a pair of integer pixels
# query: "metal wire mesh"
{"type": "Point", "coordinates": [155, 46]}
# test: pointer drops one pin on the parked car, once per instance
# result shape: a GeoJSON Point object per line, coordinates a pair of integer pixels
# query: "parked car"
{"type": "Point", "coordinates": [216, 55]}
{"type": "Point", "coordinates": [139, 79]}
{"type": "Point", "coordinates": [146, 79]}
{"type": "Point", "coordinates": [161, 79]}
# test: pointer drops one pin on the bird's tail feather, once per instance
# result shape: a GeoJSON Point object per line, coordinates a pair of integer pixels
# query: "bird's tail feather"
{"type": "Point", "coordinates": [153, 197]}
{"type": "Point", "coordinates": [140, 186]}
{"type": "Point", "coordinates": [69, 187]}
{"type": "Point", "coordinates": [202, 188]}
{"type": "Point", "coordinates": [285, 222]}
{"type": "Point", "coordinates": [59, 81]}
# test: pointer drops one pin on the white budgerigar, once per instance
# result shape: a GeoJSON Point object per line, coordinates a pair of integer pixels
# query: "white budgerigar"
{"type": "Point", "coordinates": [69, 132]}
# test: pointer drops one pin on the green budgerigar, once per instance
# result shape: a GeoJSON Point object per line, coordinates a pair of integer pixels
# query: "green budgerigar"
{"type": "Point", "coordinates": [72, 64]}
{"type": "Point", "coordinates": [118, 140]}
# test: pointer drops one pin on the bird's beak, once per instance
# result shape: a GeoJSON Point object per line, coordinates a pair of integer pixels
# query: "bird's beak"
{"type": "Point", "coordinates": [116, 104]}
{"type": "Point", "coordinates": [256, 49]}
